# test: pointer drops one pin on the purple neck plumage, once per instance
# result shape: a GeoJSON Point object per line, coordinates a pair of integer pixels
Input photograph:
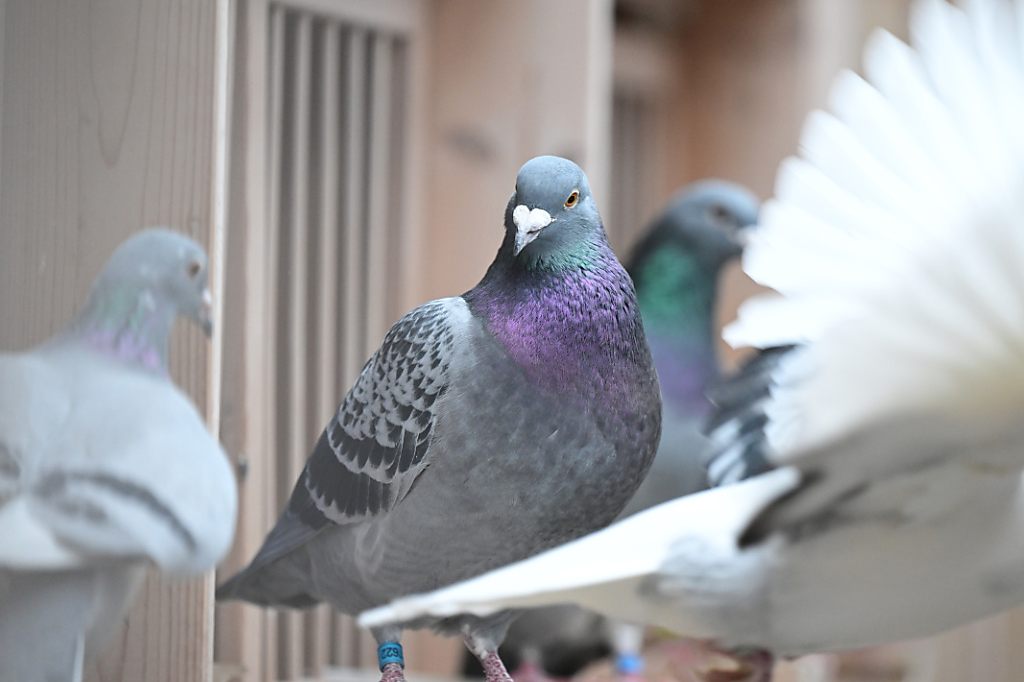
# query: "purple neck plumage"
{"type": "Point", "coordinates": [132, 327]}
{"type": "Point", "coordinates": [569, 328]}
{"type": "Point", "coordinates": [686, 369]}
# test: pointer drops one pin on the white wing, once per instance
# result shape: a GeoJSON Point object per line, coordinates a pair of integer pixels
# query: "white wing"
{"type": "Point", "coordinates": [616, 571]}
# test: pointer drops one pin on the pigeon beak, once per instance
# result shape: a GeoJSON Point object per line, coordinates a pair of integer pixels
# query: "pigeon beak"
{"type": "Point", "coordinates": [529, 222]}
{"type": "Point", "coordinates": [204, 316]}
{"type": "Point", "coordinates": [745, 234]}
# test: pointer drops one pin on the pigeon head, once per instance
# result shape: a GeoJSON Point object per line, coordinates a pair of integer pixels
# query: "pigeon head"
{"type": "Point", "coordinates": [151, 279]}
{"type": "Point", "coordinates": [551, 217]}
{"type": "Point", "coordinates": [681, 254]}
{"type": "Point", "coordinates": [161, 269]}
{"type": "Point", "coordinates": [708, 220]}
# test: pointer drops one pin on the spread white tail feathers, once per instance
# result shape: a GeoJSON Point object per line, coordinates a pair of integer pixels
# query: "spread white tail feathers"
{"type": "Point", "coordinates": [896, 241]}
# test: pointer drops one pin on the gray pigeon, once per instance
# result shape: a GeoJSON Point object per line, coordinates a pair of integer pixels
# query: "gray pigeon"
{"type": "Point", "coordinates": [675, 268]}
{"type": "Point", "coordinates": [487, 427]}
{"type": "Point", "coordinates": [105, 466]}
{"type": "Point", "coordinates": [876, 443]}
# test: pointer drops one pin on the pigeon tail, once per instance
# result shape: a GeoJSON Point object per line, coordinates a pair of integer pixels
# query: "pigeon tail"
{"type": "Point", "coordinates": [265, 586]}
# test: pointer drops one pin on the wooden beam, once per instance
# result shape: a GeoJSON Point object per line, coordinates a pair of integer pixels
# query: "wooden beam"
{"type": "Point", "coordinates": [243, 631]}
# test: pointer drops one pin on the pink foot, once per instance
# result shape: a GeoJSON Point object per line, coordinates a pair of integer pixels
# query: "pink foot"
{"type": "Point", "coordinates": [392, 672]}
{"type": "Point", "coordinates": [528, 671]}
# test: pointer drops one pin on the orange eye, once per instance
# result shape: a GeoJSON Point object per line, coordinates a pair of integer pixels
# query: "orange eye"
{"type": "Point", "coordinates": [193, 269]}
{"type": "Point", "coordinates": [572, 199]}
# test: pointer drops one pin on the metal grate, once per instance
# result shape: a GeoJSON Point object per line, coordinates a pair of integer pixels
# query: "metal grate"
{"type": "Point", "coordinates": [336, 130]}
{"type": "Point", "coordinates": [634, 172]}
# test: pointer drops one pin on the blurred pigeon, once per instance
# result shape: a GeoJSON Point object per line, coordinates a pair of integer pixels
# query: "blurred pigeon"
{"type": "Point", "coordinates": [884, 412]}
{"type": "Point", "coordinates": [675, 268]}
{"type": "Point", "coordinates": [551, 642]}
{"type": "Point", "coordinates": [486, 428]}
{"type": "Point", "coordinates": [105, 466]}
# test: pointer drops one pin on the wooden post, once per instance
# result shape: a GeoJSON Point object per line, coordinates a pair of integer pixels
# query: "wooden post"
{"type": "Point", "coordinates": [109, 125]}
{"type": "Point", "coordinates": [245, 636]}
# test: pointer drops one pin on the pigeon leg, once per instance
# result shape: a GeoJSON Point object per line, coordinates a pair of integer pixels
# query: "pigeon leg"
{"type": "Point", "coordinates": [628, 643]}
{"type": "Point", "coordinates": [389, 657]}
{"type": "Point", "coordinates": [629, 666]}
{"type": "Point", "coordinates": [487, 653]}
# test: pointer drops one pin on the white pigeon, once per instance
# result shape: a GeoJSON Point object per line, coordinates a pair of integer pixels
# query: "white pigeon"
{"type": "Point", "coordinates": [105, 466]}
{"type": "Point", "coordinates": [878, 438]}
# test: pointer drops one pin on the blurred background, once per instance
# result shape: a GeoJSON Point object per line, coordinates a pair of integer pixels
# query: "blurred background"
{"type": "Point", "coordinates": [344, 160]}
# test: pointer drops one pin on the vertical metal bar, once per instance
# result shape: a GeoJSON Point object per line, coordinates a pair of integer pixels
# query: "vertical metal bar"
{"type": "Point", "coordinates": [329, 181]}
{"type": "Point", "coordinates": [355, 174]}
{"type": "Point", "coordinates": [298, 329]}
{"type": "Point", "coordinates": [398, 159]}
{"type": "Point", "coordinates": [367, 649]}
{"type": "Point", "coordinates": [379, 173]}
{"type": "Point", "coordinates": [351, 260]}
{"type": "Point", "coordinates": [339, 640]}
{"type": "Point", "coordinates": [318, 630]}
{"type": "Point", "coordinates": [275, 131]}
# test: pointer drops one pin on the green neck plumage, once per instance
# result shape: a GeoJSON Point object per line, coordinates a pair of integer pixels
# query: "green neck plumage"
{"type": "Point", "coordinates": [585, 254]}
{"type": "Point", "coordinates": [676, 295]}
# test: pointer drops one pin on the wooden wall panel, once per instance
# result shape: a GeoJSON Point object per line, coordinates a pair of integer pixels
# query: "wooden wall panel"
{"type": "Point", "coordinates": [510, 80]}
{"type": "Point", "coordinates": [107, 126]}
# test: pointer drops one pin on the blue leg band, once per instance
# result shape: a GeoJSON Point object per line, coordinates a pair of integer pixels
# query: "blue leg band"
{"type": "Point", "coordinates": [629, 664]}
{"type": "Point", "coordinates": [389, 652]}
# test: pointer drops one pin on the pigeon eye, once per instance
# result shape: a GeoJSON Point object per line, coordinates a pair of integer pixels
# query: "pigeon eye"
{"type": "Point", "coordinates": [719, 213]}
{"type": "Point", "coordinates": [572, 199]}
{"type": "Point", "coordinates": [193, 269]}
